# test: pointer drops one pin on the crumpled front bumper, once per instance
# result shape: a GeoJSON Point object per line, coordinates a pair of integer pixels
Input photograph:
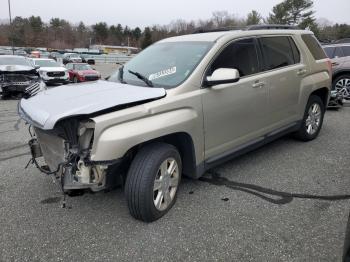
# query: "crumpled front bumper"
{"type": "Point", "coordinates": [27, 90]}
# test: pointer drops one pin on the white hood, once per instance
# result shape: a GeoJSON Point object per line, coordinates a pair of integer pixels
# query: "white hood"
{"type": "Point", "coordinates": [48, 107]}
{"type": "Point", "coordinates": [15, 68]}
{"type": "Point", "coordinates": [53, 69]}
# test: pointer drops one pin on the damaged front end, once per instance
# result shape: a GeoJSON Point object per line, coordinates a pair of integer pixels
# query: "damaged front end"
{"type": "Point", "coordinates": [20, 83]}
{"type": "Point", "coordinates": [66, 153]}
{"type": "Point", "coordinates": [63, 136]}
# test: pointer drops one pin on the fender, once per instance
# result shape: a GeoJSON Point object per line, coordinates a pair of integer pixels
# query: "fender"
{"type": "Point", "coordinates": [115, 141]}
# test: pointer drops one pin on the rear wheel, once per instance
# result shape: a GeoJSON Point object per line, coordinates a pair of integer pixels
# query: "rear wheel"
{"type": "Point", "coordinates": [152, 181]}
{"type": "Point", "coordinates": [313, 119]}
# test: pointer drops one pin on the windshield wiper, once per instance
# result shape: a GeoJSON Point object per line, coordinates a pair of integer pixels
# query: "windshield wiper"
{"type": "Point", "coordinates": [121, 75]}
{"type": "Point", "coordinates": [142, 77]}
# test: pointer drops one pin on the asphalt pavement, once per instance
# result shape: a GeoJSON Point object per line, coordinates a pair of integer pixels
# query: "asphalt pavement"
{"type": "Point", "coordinates": [225, 218]}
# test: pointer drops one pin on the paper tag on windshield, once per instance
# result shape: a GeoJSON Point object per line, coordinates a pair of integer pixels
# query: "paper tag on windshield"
{"type": "Point", "coordinates": [163, 73]}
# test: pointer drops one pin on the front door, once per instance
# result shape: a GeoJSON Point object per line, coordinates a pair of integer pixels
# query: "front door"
{"type": "Point", "coordinates": [235, 113]}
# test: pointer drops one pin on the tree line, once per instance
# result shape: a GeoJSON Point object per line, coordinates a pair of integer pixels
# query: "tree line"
{"type": "Point", "coordinates": [61, 34]}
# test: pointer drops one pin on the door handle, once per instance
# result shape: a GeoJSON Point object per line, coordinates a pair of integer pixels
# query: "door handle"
{"type": "Point", "coordinates": [301, 72]}
{"type": "Point", "coordinates": [258, 84]}
{"type": "Point", "coordinates": [335, 64]}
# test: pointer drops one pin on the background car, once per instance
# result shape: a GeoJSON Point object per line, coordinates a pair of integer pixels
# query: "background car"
{"type": "Point", "coordinates": [18, 77]}
{"type": "Point", "coordinates": [51, 71]}
{"type": "Point", "coordinates": [81, 72]}
{"type": "Point", "coordinates": [87, 59]}
{"type": "Point", "coordinates": [340, 55]}
{"type": "Point", "coordinates": [71, 58]}
{"type": "Point", "coordinates": [56, 56]}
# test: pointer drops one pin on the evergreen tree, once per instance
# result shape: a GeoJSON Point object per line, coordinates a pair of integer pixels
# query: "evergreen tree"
{"type": "Point", "coordinates": [293, 12]}
{"type": "Point", "coordinates": [147, 37]}
{"type": "Point", "coordinates": [254, 18]}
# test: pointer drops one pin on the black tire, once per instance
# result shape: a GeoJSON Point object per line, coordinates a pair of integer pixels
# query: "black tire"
{"type": "Point", "coordinates": [302, 133]}
{"type": "Point", "coordinates": [140, 180]}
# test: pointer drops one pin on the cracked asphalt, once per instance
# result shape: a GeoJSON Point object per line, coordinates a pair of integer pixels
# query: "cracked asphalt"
{"type": "Point", "coordinates": [209, 222]}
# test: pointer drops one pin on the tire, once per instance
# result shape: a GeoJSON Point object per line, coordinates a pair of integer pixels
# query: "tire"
{"type": "Point", "coordinates": [304, 133]}
{"type": "Point", "coordinates": [75, 80]}
{"type": "Point", "coordinates": [338, 81]}
{"type": "Point", "coordinates": [140, 188]}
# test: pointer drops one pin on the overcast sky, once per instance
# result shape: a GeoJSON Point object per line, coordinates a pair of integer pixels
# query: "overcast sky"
{"type": "Point", "coordinates": [149, 12]}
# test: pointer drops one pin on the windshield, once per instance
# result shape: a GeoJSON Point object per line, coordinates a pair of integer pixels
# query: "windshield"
{"type": "Point", "coordinates": [14, 61]}
{"type": "Point", "coordinates": [165, 64]}
{"type": "Point", "coordinates": [46, 63]}
{"type": "Point", "coordinates": [80, 67]}
{"type": "Point", "coordinates": [74, 56]}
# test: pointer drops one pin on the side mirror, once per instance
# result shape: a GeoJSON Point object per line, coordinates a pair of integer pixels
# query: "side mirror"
{"type": "Point", "coordinates": [222, 76]}
{"type": "Point", "coordinates": [37, 67]}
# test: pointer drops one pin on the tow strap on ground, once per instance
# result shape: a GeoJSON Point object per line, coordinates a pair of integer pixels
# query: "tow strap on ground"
{"type": "Point", "coordinates": [265, 193]}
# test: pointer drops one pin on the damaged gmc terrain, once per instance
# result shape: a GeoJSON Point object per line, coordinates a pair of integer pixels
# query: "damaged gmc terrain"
{"type": "Point", "coordinates": [180, 107]}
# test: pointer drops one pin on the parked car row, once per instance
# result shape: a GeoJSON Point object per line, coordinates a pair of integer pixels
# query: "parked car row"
{"type": "Point", "coordinates": [23, 76]}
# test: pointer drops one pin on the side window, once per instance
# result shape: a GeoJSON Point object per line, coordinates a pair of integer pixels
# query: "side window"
{"type": "Point", "coordinates": [240, 55]}
{"type": "Point", "coordinates": [330, 51]}
{"type": "Point", "coordinates": [338, 52]}
{"type": "Point", "coordinates": [314, 47]}
{"type": "Point", "coordinates": [69, 66]}
{"type": "Point", "coordinates": [346, 50]}
{"type": "Point", "coordinates": [277, 52]}
{"type": "Point", "coordinates": [296, 52]}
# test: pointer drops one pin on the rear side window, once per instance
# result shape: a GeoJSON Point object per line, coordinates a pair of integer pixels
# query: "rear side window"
{"type": "Point", "coordinates": [346, 50]}
{"type": "Point", "coordinates": [240, 55]}
{"type": "Point", "coordinates": [314, 47]}
{"type": "Point", "coordinates": [338, 52]}
{"type": "Point", "coordinates": [295, 50]}
{"type": "Point", "coordinates": [278, 52]}
{"type": "Point", "coordinates": [330, 51]}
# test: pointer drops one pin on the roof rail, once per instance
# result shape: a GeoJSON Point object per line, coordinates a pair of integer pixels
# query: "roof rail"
{"type": "Point", "coordinates": [221, 29]}
{"type": "Point", "coordinates": [246, 28]}
{"type": "Point", "coordinates": [272, 26]}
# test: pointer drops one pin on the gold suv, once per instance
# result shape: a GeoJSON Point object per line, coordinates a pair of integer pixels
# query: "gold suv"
{"type": "Point", "coordinates": [180, 107]}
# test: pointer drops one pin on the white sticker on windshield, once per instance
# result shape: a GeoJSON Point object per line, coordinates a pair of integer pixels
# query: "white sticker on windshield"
{"type": "Point", "coordinates": [163, 73]}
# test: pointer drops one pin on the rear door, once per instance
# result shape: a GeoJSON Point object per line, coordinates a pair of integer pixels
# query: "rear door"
{"type": "Point", "coordinates": [284, 71]}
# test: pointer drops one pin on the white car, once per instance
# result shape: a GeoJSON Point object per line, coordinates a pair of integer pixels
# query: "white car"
{"type": "Point", "coordinates": [51, 71]}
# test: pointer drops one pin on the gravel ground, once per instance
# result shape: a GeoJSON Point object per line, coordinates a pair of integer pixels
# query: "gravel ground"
{"type": "Point", "coordinates": [209, 222]}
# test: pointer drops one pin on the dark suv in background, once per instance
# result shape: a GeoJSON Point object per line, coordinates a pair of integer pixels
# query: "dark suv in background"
{"type": "Point", "coordinates": [340, 55]}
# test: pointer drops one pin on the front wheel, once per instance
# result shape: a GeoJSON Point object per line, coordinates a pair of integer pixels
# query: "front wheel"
{"type": "Point", "coordinates": [313, 119]}
{"type": "Point", "coordinates": [152, 181]}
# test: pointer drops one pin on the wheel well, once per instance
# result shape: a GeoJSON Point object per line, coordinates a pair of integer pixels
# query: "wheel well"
{"type": "Point", "coordinates": [323, 94]}
{"type": "Point", "coordinates": [184, 144]}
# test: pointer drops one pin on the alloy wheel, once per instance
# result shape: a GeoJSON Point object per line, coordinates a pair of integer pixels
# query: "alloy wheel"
{"type": "Point", "coordinates": [343, 87]}
{"type": "Point", "coordinates": [313, 119]}
{"type": "Point", "coordinates": [166, 184]}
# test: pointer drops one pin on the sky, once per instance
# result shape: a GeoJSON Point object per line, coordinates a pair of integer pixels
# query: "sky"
{"type": "Point", "coordinates": [146, 13]}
